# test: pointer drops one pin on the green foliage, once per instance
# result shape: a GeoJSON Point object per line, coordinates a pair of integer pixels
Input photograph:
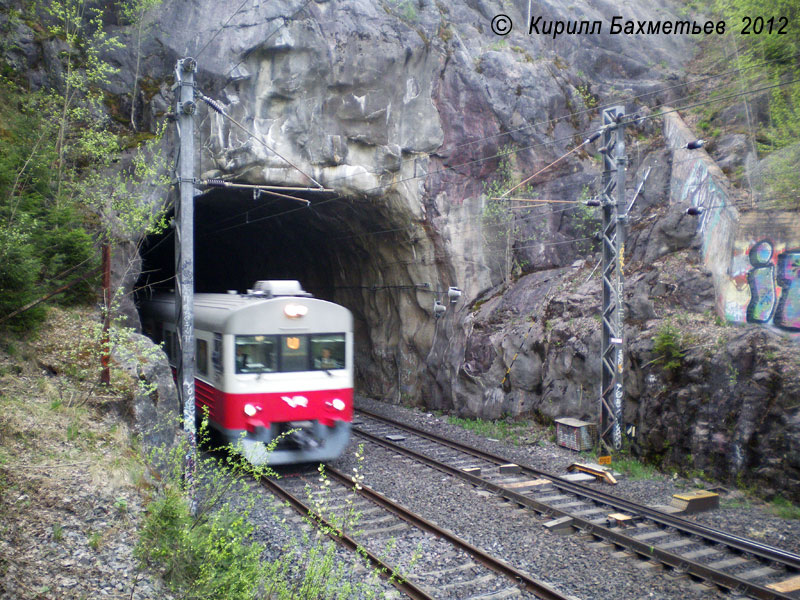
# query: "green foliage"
{"type": "Point", "coordinates": [500, 223]}
{"type": "Point", "coordinates": [133, 12]}
{"type": "Point", "coordinates": [767, 53]}
{"type": "Point", "coordinates": [589, 99]}
{"type": "Point", "coordinates": [211, 557]}
{"type": "Point", "coordinates": [784, 509]}
{"type": "Point", "coordinates": [64, 183]}
{"type": "Point", "coordinates": [19, 274]}
{"type": "Point", "coordinates": [502, 429]}
{"type": "Point", "coordinates": [405, 9]}
{"type": "Point", "coordinates": [667, 344]}
{"type": "Point", "coordinates": [585, 222]}
{"type": "Point", "coordinates": [635, 469]}
{"type": "Point", "coordinates": [212, 553]}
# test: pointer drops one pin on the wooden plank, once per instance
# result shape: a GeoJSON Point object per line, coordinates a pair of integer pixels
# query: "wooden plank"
{"type": "Point", "coordinates": [620, 516]}
{"type": "Point", "coordinates": [787, 586]}
{"type": "Point", "coordinates": [595, 470]}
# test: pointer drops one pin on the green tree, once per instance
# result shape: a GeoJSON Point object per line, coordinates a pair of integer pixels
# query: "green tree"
{"type": "Point", "coordinates": [65, 181]}
{"type": "Point", "coordinates": [772, 47]}
{"type": "Point", "coordinates": [500, 220]}
{"type": "Point", "coordinates": [134, 11]}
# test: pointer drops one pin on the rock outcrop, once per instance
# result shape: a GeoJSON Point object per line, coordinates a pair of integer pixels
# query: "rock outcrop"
{"type": "Point", "coordinates": [413, 114]}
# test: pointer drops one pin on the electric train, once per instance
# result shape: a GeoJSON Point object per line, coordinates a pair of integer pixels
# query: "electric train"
{"type": "Point", "coordinates": [269, 361]}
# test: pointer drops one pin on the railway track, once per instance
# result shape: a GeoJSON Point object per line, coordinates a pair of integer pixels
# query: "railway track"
{"type": "Point", "coordinates": [473, 574]}
{"type": "Point", "coordinates": [731, 562]}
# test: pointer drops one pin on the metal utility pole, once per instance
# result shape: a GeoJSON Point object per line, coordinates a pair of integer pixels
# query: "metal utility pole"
{"type": "Point", "coordinates": [184, 245]}
{"type": "Point", "coordinates": [612, 348]}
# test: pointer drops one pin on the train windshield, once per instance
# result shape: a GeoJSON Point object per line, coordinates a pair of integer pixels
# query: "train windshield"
{"type": "Point", "coordinates": [327, 351]}
{"type": "Point", "coordinates": [256, 353]}
{"type": "Point", "coordinates": [290, 353]}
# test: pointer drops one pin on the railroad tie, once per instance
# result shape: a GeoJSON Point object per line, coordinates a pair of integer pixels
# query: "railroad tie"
{"type": "Point", "coordinates": [758, 573]}
{"type": "Point", "coordinates": [787, 586]}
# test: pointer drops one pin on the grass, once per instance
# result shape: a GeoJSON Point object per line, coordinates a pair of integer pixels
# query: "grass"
{"type": "Point", "coordinates": [783, 508]}
{"type": "Point", "coordinates": [634, 469]}
{"type": "Point", "coordinates": [58, 440]}
{"type": "Point", "coordinates": [514, 432]}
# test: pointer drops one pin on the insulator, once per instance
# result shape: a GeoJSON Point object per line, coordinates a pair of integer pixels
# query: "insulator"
{"type": "Point", "coordinates": [213, 104]}
{"type": "Point", "coordinates": [454, 294]}
{"type": "Point", "coordinates": [215, 182]}
{"type": "Point", "coordinates": [592, 137]}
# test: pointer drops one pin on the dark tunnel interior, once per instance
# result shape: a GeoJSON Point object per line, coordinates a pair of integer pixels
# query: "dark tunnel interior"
{"type": "Point", "coordinates": [340, 249]}
{"type": "Point", "coordinates": [241, 237]}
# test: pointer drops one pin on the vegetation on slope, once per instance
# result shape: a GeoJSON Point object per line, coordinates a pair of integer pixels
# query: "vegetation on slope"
{"type": "Point", "coordinates": [66, 183]}
{"type": "Point", "coordinates": [760, 51]}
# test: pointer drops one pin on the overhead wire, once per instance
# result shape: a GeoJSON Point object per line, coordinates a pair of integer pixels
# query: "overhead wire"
{"type": "Point", "coordinates": [573, 114]}
{"type": "Point", "coordinates": [218, 109]}
{"type": "Point", "coordinates": [550, 142]}
{"type": "Point", "coordinates": [269, 37]}
{"type": "Point", "coordinates": [486, 138]}
{"type": "Point", "coordinates": [505, 153]}
{"type": "Point", "coordinates": [219, 30]}
{"type": "Point", "coordinates": [555, 119]}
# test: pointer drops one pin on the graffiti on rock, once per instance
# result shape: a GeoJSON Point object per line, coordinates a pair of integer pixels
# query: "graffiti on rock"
{"type": "Point", "coordinates": [765, 285]}
{"type": "Point", "coordinates": [761, 280]}
{"type": "Point", "coordinates": [787, 315]}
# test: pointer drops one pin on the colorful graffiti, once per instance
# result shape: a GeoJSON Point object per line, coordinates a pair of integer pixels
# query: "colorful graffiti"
{"type": "Point", "coordinates": [765, 285]}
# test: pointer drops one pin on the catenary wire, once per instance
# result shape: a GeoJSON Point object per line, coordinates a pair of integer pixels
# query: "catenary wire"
{"type": "Point", "coordinates": [219, 30]}
{"type": "Point", "coordinates": [554, 141]}
{"type": "Point", "coordinates": [505, 153]}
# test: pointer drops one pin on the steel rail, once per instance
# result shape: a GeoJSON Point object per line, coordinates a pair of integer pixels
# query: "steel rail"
{"type": "Point", "coordinates": [764, 551]}
{"type": "Point", "coordinates": [542, 590]}
{"type": "Point", "coordinates": [646, 550]}
{"type": "Point", "coordinates": [406, 587]}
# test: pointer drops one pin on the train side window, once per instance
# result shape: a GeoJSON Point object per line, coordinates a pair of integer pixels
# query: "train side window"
{"type": "Point", "coordinates": [201, 356]}
{"type": "Point", "coordinates": [216, 358]}
{"type": "Point", "coordinates": [328, 351]}
{"type": "Point", "coordinates": [294, 353]}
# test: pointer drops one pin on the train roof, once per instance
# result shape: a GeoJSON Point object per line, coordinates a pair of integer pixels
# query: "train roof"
{"type": "Point", "coordinates": [254, 313]}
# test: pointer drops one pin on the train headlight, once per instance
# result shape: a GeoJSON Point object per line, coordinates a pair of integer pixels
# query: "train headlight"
{"type": "Point", "coordinates": [250, 410]}
{"type": "Point", "coordinates": [338, 404]}
{"type": "Point", "coordinates": [295, 311]}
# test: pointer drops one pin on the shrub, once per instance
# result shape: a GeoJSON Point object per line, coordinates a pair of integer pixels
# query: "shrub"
{"type": "Point", "coordinates": [667, 344]}
{"type": "Point", "coordinates": [212, 553]}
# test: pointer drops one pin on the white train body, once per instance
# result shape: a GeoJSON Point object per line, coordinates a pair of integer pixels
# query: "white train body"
{"type": "Point", "coordinates": [267, 362]}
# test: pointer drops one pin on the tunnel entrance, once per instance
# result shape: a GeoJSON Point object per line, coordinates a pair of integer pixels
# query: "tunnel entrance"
{"type": "Point", "coordinates": [355, 252]}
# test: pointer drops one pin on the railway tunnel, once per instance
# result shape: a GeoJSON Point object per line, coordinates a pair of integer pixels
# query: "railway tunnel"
{"type": "Point", "coordinates": [366, 254]}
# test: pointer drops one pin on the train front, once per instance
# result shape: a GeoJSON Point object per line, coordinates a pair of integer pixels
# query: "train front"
{"type": "Point", "coordinates": [284, 390]}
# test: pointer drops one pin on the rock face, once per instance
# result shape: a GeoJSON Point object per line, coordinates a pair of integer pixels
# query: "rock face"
{"type": "Point", "coordinates": [402, 109]}
{"type": "Point", "coordinates": [414, 115]}
{"type": "Point", "coordinates": [155, 407]}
